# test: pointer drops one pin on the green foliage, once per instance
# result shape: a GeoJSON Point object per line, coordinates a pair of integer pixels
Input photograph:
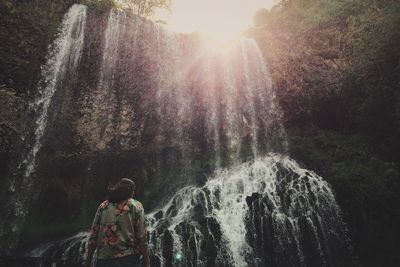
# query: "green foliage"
{"type": "Point", "coordinates": [26, 28]}
{"type": "Point", "coordinates": [336, 64]}
{"type": "Point", "coordinates": [146, 8]}
{"type": "Point", "coordinates": [335, 67]}
{"type": "Point", "coordinates": [101, 5]}
{"type": "Point", "coordinates": [371, 75]}
{"type": "Point", "coordinates": [143, 8]}
{"type": "Point", "coordinates": [366, 187]}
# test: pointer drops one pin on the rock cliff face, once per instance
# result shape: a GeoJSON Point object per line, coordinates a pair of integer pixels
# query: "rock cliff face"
{"type": "Point", "coordinates": [120, 96]}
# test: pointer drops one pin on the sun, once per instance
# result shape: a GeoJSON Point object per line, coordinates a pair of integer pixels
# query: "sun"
{"type": "Point", "coordinates": [223, 20]}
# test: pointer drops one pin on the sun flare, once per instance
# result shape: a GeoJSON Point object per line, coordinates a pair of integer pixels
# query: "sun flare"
{"type": "Point", "coordinates": [223, 20]}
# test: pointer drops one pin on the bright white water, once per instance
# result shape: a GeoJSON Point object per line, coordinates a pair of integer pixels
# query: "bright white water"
{"type": "Point", "coordinates": [237, 205]}
{"type": "Point", "coordinates": [63, 57]}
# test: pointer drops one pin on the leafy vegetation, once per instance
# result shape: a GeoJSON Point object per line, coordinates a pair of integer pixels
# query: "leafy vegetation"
{"type": "Point", "coordinates": [143, 8]}
{"type": "Point", "coordinates": [101, 5]}
{"type": "Point", "coordinates": [335, 67]}
{"type": "Point", "coordinates": [146, 8]}
{"type": "Point", "coordinates": [26, 28]}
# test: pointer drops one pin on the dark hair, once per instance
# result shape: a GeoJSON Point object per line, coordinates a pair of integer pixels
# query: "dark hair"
{"type": "Point", "coordinates": [121, 191]}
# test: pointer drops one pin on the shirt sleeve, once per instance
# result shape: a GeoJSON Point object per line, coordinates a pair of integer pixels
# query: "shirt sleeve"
{"type": "Point", "coordinates": [140, 229]}
{"type": "Point", "coordinates": [94, 230]}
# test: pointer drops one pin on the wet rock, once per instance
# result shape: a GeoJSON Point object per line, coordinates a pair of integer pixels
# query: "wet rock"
{"type": "Point", "coordinates": [167, 249]}
{"type": "Point", "coordinates": [159, 215]}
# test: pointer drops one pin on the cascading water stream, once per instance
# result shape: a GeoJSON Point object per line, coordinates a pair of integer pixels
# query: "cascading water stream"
{"type": "Point", "coordinates": [270, 212]}
{"type": "Point", "coordinates": [63, 57]}
{"type": "Point", "coordinates": [61, 62]}
{"type": "Point", "coordinates": [211, 94]}
{"type": "Point", "coordinates": [254, 210]}
{"type": "Point", "coordinates": [249, 94]}
{"type": "Point", "coordinates": [106, 89]}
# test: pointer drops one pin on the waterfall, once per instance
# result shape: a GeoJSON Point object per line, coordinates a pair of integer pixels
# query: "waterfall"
{"type": "Point", "coordinates": [70, 248]}
{"type": "Point", "coordinates": [171, 95]}
{"type": "Point", "coordinates": [63, 57]}
{"type": "Point", "coordinates": [258, 207]}
{"type": "Point", "coordinates": [62, 60]}
{"type": "Point", "coordinates": [105, 97]}
{"type": "Point", "coordinates": [269, 212]}
{"type": "Point", "coordinates": [213, 99]}
{"type": "Point", "coordinates": [249, 96]}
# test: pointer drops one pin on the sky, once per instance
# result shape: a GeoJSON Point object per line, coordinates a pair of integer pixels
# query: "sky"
{"type": "Point", "coordinates": [221, 19]}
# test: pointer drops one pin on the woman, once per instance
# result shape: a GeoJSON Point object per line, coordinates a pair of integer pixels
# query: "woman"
{"type": "Point", "coordinates": [119, 231]}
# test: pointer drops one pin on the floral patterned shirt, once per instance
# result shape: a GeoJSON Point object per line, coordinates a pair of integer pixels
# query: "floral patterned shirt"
{"type": "Point", "coordinates": [118, 230]}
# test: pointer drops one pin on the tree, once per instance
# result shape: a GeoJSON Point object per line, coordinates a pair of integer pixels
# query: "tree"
{"type": "Point", "coordinates": [145, 8]}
